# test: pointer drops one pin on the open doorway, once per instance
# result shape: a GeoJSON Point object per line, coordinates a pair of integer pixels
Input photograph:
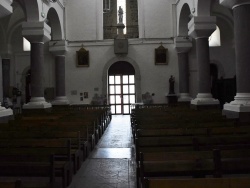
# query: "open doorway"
{"type": "Point", "coordinates": [121, 87]}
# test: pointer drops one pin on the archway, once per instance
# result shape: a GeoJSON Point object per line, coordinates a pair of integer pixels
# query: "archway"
{"type": "Point", "coordinates": [183, 20]}
{"type": "Point", "coordinates": [137, 76]}
{"type": "Point", "coordinates": [54, 22]}
{"type": "Point", "coordinates": [121, 87]}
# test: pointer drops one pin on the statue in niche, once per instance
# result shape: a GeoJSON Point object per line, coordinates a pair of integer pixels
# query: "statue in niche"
{"type": "Point", "coordinates": [171, 85]}
{"type": "Point", "coordinates": [120, 14]}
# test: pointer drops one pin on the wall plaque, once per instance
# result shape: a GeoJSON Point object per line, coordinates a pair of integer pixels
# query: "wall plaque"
{"type": "Point", "coordinates": [121, 46]}
{"type": "Point", "coordinates": [161, 55]}
{"type": "Point", "coordinates": [82, 58]}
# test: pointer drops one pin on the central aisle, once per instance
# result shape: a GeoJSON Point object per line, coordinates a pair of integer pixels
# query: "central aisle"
{"type": "Point", "coordinates": [111, 164]}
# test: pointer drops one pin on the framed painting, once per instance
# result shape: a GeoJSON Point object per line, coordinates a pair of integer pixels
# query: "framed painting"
{"type": "Point", "coordinates": [161, 55]}
{"type": "Point", "coordinates": [82, 58]}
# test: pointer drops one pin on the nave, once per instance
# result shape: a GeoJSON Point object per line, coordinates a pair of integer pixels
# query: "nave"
{"type": "Point", "coordinates": [111, 163]}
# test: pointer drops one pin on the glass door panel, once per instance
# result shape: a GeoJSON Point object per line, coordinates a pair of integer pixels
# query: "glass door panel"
{"type": "Point", "coordinates": [121, 93]}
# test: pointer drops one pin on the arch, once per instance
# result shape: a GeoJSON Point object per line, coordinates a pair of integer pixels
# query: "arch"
{"type": "Point", "coordinates": [54, 23]}
{"type": "Point", "coordinates": [137, 75]}
{"type": "Point", "coordinates": [184, 18]}
{"type": "Point", "coordinates": [121, 67]}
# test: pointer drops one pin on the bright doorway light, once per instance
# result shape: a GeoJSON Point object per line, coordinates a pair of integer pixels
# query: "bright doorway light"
{"type": "Point", "coordinates": [26, 45]}
{"type": "Point", "coordinates": [214, 39]}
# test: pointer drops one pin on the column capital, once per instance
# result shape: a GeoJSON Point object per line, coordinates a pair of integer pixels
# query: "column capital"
{"type": "Point", "coordinates": [234, 3]}
{"type": "Point", "coordinates": [5, 8]}
{"type": "Point", "coordinates": [201, 26]}
{"type": "Point", "coordinates": [59, 47]}
{"type": "Point", "coordinates": [182, 44]}
{"type": "Point", "coordinates": [36, 32]}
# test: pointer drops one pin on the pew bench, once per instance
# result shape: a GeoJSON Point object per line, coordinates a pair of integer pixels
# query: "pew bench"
{"type": "Point", "coordinates": [13, 184]}
{"type": "Point", "coordinates": [173, 164]}
{"type": "Point", "coordinates": [231, 182]}
{"type": "Point", "coordinates": [33, 157]}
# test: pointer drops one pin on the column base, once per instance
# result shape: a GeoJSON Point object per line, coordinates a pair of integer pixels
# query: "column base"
{"type": "Point", "coordinates": [204, 101]}
{"type": "Point", "coordinates": [60, 101]}
{"type": "Point", "coordinates": [172, 99]}
{"type": "Point", "coordinates": [241, 116]}
{"type": "Point", "coordinates": [239, 108]}
{"type": "Point", "coordinates": [184, 97]}
{"type": "Point", "coordinates": [6, 114]}
{"type": "Point", "coordinates": [37, 103]}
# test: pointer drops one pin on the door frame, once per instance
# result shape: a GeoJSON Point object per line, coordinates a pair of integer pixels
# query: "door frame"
{"type": "Point", "coordinates": [137, 76]}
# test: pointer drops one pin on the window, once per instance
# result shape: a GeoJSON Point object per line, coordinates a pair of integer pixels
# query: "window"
{"type": "Point", "coordinates": [26, 45]}
{"type": "Point", "coordinates": [214, 39]}
{"type": "Point", "coordinates": [110, 18]}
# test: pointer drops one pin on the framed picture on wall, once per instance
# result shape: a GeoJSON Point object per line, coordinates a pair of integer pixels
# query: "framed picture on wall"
{"type": "Point", "coordinates": [82, 58]}
{"type": "Point", "coordinates": [161, 55]}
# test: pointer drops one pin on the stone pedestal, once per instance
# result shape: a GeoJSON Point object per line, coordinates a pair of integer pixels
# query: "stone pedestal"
{"type": "Point", "coordinates": [240, 107]}
{"type": "Point", "coordinates": [120, 42]}
{"type": "Point", "coordinates": [201, 28]}
{"type": "Point", "coordinates": [37, 33]}
{"type": "Point", "coordinates": [172, 99]}
{"type": "Point", "coordinates": [120, 27]}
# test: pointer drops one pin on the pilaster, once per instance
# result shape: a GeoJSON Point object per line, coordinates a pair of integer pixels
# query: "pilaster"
{"type": "Point", "coordinates": [5, 113]}
{"type": "Point", "coordinates": [58, 49]}
{"type": "Point", "coordinates": [182, 46]}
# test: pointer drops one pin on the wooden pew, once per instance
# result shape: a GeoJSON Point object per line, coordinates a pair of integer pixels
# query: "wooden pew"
{"type": "Point", "coordinates": [172, 164]}
{"type": "Point", "coordinates": [232, 162]}
{"type": "Point", "coordinates": [198, 131]}
{"type": "Point", "coordinates": [86, 135]}
{"type": "Point", "coordinates": [33, 157]}
{"type": "Point", "coordinates": [230, 182]}
{"type": "Point", "coordinates": [194, 163]}
{"type": "Point", "coordinates": [163, 144]}
{"type": "Point", "coordinates": [77, 150]}
{"type": "Point", "coordinates": [13, 184]}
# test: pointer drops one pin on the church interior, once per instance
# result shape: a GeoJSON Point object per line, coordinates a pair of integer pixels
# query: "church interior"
{"type": "Point", "coordinates": [124, 93]}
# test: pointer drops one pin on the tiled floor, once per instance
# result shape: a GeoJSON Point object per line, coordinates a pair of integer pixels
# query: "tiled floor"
{"type": "Point", "coordinates": [111, 164]}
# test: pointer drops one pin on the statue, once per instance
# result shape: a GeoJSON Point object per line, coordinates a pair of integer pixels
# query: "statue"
{"type": "Point", "coordinates": [171, 85]}
{"type": "Point", "coordinates": [120, 14]}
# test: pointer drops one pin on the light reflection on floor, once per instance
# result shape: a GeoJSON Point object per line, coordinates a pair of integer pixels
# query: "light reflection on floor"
{"type": "Point", "coordinates": [111, 164]}
{"type": "Point", "coordinates": [112, 153]}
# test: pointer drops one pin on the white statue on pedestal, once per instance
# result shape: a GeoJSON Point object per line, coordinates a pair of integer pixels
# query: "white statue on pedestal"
{"type": "Point", "coordinates": [120, 14]}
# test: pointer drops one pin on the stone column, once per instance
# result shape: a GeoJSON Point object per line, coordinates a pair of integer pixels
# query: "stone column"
{"type": "Point", "coordinates": [182, 46]}
{"type": "Point", "coordinates": [5, 10]}
{"type": "Point", "coordinates": [200, 28]}
{"type": "Point", "coordinates": [6, 77]}
{"type": "Point", "coordinates": [37, 33]}
{"type": "Point", "coordinates": [241, 12]}
{"type": "Point", "coordinates": [5, 114]}
{"type": "Point", "coordinates": [59, 49]}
